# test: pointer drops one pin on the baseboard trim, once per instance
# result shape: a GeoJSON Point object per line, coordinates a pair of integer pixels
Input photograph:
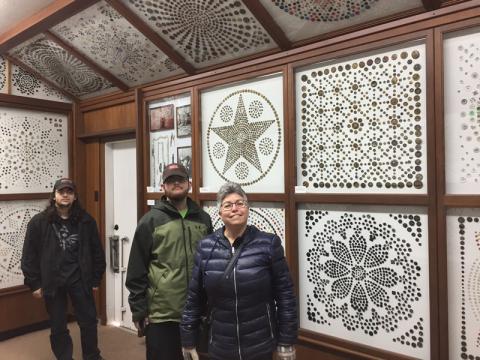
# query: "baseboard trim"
{"type": "Point", "coordinates": [4, 335]}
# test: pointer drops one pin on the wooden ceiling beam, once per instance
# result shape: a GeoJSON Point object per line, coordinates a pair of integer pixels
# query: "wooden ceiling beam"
{"type": "Point", "coordinates": [432, 4]}
{"type": "Point", "coordinates": [46, 18]}
{"type": "Point", "coordinates": [151, 35]}
{"type": "Point", "coordinates": [266, 20]}
{"type": "Point", "coordinates": [41, 77]}
{"type": "Point", "coordinates": [96, 68]}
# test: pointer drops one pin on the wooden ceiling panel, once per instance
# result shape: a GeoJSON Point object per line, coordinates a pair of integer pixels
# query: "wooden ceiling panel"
{"type": "Point", "coordinates": [205, 32]}
{"type": "Point", "coordinates": [108, 39]}
{"type": "Point", "coordinates": [302, 20]}
{"type": "Point", "coordinates": [60, 67]}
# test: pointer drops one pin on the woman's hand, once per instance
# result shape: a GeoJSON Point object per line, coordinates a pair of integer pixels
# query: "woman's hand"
{"type": "Point", "coordinates": [189, 353]}
{"type": "Point", "coordinates": [286, 352]}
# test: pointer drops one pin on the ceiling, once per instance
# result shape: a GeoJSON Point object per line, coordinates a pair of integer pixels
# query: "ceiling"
{"type": "Point", "coordinates": [85, 48]}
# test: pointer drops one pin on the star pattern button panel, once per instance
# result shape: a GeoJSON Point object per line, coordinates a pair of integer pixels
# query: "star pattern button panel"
{"type": "Point", "coordinates": [463, 251]}
{"type": "Point", "coordinates": [462, 111]}
{"type": "Point", "coordinates": [364, 275]}
{"type": "Point", "coordinates": [34, 151]}
{"type": "Point", "coordinates": [14, 217]}
{"type": "Point", "coordinates": [242, 135]}
{"type": "Point", "coordinates": [306, 19]}
{"type": "Point", "coordinates": [269, 217]}
{"type": "Point", "coordinates": [361, 123]}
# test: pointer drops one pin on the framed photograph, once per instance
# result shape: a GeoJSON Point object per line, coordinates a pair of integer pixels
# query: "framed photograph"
{"type": "Point", "coordinates": [184, 157]}
{"type": "Point", "coordinates": [184, 121]}
{"type": "Point", "coordinates": [161, 118]}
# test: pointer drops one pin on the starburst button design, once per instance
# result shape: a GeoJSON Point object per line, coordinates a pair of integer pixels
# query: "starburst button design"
{"type": "Point", "coordinates": [243, 137]}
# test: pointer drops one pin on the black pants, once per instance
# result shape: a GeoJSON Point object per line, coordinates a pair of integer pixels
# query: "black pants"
{"type": "Point", "coordinates": [163, 341]}
{"type": "Point", "coordinates": [86, 314]}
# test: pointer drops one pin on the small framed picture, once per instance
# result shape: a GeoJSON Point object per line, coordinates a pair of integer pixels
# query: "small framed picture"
{"type": "Point", "coordinates": [184, 121]}
{"type": "Point", "coordinates": [161, 118]}
{"type": "Point", "coordinates": [184, 157]}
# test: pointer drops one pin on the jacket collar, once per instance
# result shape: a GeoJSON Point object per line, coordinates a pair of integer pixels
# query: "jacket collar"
{"type": "Point", "coordinates": [247, 236]}
{"type": "Point", "coordinates": [167, 206]}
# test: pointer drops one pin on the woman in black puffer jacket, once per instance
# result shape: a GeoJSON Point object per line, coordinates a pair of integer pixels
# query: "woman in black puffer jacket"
{"type": "Point", "coordinates": [252, 309]}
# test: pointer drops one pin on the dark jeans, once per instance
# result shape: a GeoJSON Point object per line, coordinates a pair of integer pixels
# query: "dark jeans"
{"type": "Point", "coordinates": [86, 314]}
{"type": "Point", "coordinates": [163, 341]}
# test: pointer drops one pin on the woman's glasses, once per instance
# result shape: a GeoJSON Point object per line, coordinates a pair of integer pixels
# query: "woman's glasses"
{"type": "Point", "coordinates": [228, 206]}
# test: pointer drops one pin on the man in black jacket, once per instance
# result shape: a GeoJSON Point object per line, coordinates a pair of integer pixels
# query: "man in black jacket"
{"type": "Point", "coordinates": [62, 254]}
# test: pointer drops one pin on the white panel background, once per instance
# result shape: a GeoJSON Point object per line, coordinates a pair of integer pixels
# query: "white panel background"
{"type": "Point", "coordinates": [462, 115]}
{"type": "Point", "coordinates": [463, 282]}
{"type": "Point", "coordinates": [419, 253]}
{"type": "Point", "coordinates": [273, 182]}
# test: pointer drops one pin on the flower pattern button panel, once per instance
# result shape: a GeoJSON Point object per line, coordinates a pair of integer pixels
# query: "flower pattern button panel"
{"type": "Point", "coordinates": [364, 275]}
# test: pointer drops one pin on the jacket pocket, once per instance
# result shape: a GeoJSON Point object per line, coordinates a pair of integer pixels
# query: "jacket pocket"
{"type": "Point", "coordinates": [269, 317]}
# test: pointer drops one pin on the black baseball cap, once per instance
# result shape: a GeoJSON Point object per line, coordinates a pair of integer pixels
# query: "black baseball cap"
{"type": "Point", "coordinates": [175, 170]}
{"type": "Point", "coordinates": [64, 183]}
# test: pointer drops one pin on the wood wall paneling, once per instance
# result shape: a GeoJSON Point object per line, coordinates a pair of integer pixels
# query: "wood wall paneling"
{"type": "Point", "coordinates": [19, 309]}
{"type": "Point", "coordinates": [111, 118]}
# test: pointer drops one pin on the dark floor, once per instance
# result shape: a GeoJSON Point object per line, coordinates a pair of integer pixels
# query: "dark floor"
{"type": "Point", "coordinates": [114, 343]}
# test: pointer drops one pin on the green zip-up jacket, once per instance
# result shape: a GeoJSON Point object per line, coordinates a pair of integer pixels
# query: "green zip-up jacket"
{"type": "Point", "coordinates": [161, 260]}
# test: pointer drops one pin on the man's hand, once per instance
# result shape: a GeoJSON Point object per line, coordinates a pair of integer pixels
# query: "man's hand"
{"type": "Point", "coordinates": [141, 325]}
{"type": "Point", "coordinates": [189, 354]}
{"type": "Point", "coordinates": [38, 294]}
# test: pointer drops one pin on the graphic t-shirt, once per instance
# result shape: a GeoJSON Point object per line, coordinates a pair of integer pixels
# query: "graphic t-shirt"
{"type": "Point", "coordinates": [68, 240]}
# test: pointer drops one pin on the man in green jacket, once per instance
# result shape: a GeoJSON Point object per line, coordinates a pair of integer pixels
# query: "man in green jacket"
{"type": "Point", "coordinates": [161, 262]}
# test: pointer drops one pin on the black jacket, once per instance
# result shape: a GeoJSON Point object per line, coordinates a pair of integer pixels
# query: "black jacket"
{"type": "Point", "coordinates": [250, 312]}
{"type": "Point", "coordinates": [41, 254]}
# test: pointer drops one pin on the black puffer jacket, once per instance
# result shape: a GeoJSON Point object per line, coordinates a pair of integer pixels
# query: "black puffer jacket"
{"type": "Point", "coordinates": [250, 312]}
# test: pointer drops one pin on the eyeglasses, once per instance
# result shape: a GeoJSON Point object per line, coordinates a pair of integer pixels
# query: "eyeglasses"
{"type": "Point", "coordinates": [240, 204]}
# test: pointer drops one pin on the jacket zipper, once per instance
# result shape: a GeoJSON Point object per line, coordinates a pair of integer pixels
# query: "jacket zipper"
{"type": "Point", "coordinates": [269, 320]}
{"type": "Point", "coordinates": [236, 305]}
{"type": "Point", "coordinates": [190, 238]}
{"type": "Point", "coordinates": [185, 250]}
